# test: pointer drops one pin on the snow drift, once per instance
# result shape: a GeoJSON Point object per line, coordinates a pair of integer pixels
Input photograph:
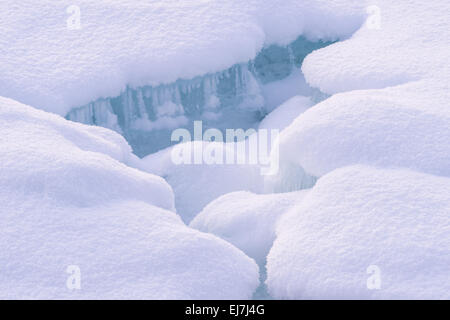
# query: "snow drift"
{"type": "Point", "coordinates": [403, 126]}
{"type": "Point", "coordinates": [390, 82]}
{"type": "Point", "coordinates": [67, 201]}
{"type": "Point", "coordinates": [358, 217]}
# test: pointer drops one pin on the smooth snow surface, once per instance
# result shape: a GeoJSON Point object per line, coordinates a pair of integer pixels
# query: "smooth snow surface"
{"type": "Point", "coordinates": [66, 200]}
{"type": "Point", "coordinates": [50, 66]}
{"type": "Point", "coordinates": [357, 217]}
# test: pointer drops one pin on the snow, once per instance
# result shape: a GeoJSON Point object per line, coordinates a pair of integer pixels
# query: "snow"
{"type": "Point", "coordinates": [401, 42]}
{"type": "Point", "coordinates": [195, 185]}
{"type": "Point", "coordinates": [278, 92]}
{"type": "Point", "coordinates": [284, 114]}
{"type": "Point", "coordinates": [390, 82]}
{"type": "Point", "coordinates": [403, 126]}
{"type": "Point", "coordinates": [246, 220]}
{"type": "Point", "coordinates": [358, 220]}
{"type": "Point", "coordinates": [48, 62]}
{"type": "Point", "coordinates": [388, 119]}
{"type": "Point", "coordinates": [68, 203]}
{"type": "Point", "coordinates": [72, 162]}
{"type": "Point", "coordinates": [375, 154]}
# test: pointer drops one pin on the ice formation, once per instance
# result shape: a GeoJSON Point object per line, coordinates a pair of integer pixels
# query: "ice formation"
{"type": "Point", "coordinates": [234, 98]}
{"type": "Point", "coordinates": [70, 208]}
{"type": "Point", "coordinates": [75, 55]}
{"type": "Point", "coordinates": [109, 64]}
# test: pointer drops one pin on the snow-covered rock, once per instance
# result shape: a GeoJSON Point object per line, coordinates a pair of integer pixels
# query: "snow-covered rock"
{"type": "Point", "coordinates": [389, 110]}
{"type": "Point", "coordinates": [406, 126]}
{"type": "Point", "coordinates": [59, 54]}
{"type": "Point", "coordinates": [247, 220]}
{"type": "Point", "coordinates": [72, 216]}
{"type": "Point", "coordinates": [74, 163]}
{"type": "Point", "coordinates": [402, 41]}
{"type": "Point", "coordinates": [390, 107]}
{"type": "Point", "coordinates": [74, 198]}
{"type": "Point", "coordinates": [365, 233]}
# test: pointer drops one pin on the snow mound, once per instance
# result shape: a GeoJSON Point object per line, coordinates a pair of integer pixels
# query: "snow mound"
{"type": "Point", "coordinates": [78, 224]}
{"type": "Point", "coordinates": [389, 50]}
{"type": "Point", "coordinates": [77, 53]}
{"type": "Point", "coordinates": [74, 163]}
{"type": "Point", "coordinates": [246, 220]}
{"type": "Point", "coordinates": [365, 233]}
{"type": "Point", "coordinates": [393, 79]}
{"type": "Point", "coordinates": [124, 250]}
{"type": "Point", "coordinates": [196, 185]}
{"type": "Point", "coordinates": [402, 126]}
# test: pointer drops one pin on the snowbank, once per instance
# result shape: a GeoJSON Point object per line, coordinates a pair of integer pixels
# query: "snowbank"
{"type": "Point", "coordinates": [75, 217]}
{"type": "Point", "coordinates": [406, 126]}
{"type": "Point", "coordinates": [400, 42]}
{"type": "Point", "coordinates": [246, 220]}
{"type": "Point", "coordinates": [392, 78]}
{"type": "Point", "coordinates": [362, 228]}
{"type": "Point", "coordinates": [73, 55]}
{"type": "Point", "coordinates": [74, 163]}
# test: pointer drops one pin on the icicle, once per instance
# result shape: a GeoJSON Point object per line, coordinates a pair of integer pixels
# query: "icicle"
{"type": "Point", "coordinates": [237, 89]}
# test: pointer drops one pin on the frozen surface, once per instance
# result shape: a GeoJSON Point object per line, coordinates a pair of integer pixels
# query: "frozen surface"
{"type": "Point", "coordinates": [68, 204]}
{"type": "Point", "coordinates": [393, 222]}
{"type": "Point", "coordinates": [146, 116]}
{"type": "Point", "coordinates": [49, 64]}
{"type": "Point", "coordinates": [247, 220]}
